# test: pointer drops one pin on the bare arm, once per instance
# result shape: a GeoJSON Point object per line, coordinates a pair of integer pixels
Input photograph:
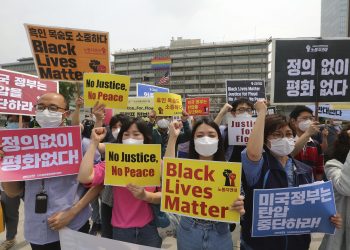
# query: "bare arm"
{"type": "Point", "coordinates": [12, 189]}
{"type": "Point", "coordinates": [304, 138]}
{"type": "Point", "coordinates": [174, 131]}
{"type": "Point", "coordinates": [225, 109]}
{"type": "Point", "coordinates": [99, 112]}
{"type": "Point", "coordinates": [75, 116]}
{"type": "Point", "coordinates": [141, 194]}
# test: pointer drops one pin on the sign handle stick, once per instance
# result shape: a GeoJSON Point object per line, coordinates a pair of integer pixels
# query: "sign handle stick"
{"type": "Point", "coordinates": [78, 89]}
{"type": "Point", "coordinates": [317, 104]}
{"type": "Point", "coordinates": [20, 121]}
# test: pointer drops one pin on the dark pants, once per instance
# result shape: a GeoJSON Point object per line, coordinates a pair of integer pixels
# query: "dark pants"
{"type": "Point", "coordinates": [56, 245]}
{"type": "Point", "coordinates": [106, 218]}
{"type": "Point", "coordinates": [10, 207]}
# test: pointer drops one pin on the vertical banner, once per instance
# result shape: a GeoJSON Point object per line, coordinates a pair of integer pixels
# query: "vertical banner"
{"type": "Point", "coordinates": [137, 107]}
{"type": "Point", "coordinates": [19, 92]}
{"type": "Point", "coordinates": [137, 164]}
{"type": "Point", "coordinates": [310, 70]}
{"type": "Point", "coordinates": [252, 90]}
{"type": "Point", "coordinates": [111, 90]}
{"type": "Point", "coordinates": [198, 106]}
{"type": "Point", "coordinates": [66, 54]}
{"type": "Point", "coordinates": [39, 153]}
{"type": "Point", "coordinates": [167, 104]}
{"type": "Point", "coordinates": [201, 189]}
{"type": "Point", "coordinates": [146, 90]}
{"type": "Point", "coordinates": [239, 130]}
{"type": "Point", "coordinates": [296, 210]}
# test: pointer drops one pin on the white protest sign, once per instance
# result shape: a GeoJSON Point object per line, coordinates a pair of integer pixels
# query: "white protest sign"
{"type": "Point", "coordinates": [239, 130]}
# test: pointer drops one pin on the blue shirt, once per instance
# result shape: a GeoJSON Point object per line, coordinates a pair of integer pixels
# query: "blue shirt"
{"type": "Point", "coordinates": [252, 169]}
{"type": "Point", "coordinates": [63, 192]}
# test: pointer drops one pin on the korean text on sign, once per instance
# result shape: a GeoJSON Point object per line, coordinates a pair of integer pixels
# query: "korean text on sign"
{"type": "Point", "coordinates": [40, 153]}
{"type": "Point", "coordinates": [19, 92]}
{"type": "Point", "coordinates": [198, 106]}
{"type": "Point", "coordinates": [298, 210]}
{"type": "Point", "coordinates": [167, 104]}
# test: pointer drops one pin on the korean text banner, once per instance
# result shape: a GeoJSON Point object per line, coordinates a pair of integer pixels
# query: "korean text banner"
{"type": "Point", "coordinates": [327, 111]}
{"type": "Point", "coordinates": [137, 164]}
{"type": "Point", "coordinates": [111, 90]}
{"type": "Point", "coordinates": [66, 54]}
{"type": "Point", "coordinates": [252, 90]}
{"type": "Point", "coordinates": [146, 90]}
{"type": "Point", "coordinates": [137, 107]}
{"type": "Point", "coordinates": [309, 71]}
{"type": "Point", "coordinates": [239, 130]}
{"type": "Point", "coordinates": [198, 106]}
{"type": "Point", "coordinates": [19, 92]}
{"type": "Point", "coordinates": [201, 189]}
{"type": "Point", "coordinates": [295, 210]}
{"type": "Point", "coordinates": [167, 104]}
{"type": "Point", "coordinates": [39, 153]}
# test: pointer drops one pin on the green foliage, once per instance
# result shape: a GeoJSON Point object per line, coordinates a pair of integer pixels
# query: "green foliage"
{"type": "Point", "coordinates": [68, 90]}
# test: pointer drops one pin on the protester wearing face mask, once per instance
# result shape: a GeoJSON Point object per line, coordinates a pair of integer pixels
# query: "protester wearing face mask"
{"type": "Point", "coordinates": [160, 134]}
{"type": "Point", "coordinates": [41, 229]}
{"type": "Point", "coordinates": [113, 128]}
{"type": "Point", "coordinates": [132, 214]}
{"type": "Point", "coordinates": [205, 144]}
{"type": "Point", "coordinates": [309, 150]}
{"type": "Point", "coordinates": [240, 108]}
{"type": "Point", "coordinates": [267, 164]}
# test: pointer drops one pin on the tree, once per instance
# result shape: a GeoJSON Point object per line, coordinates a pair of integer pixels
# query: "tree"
{"type": "Point", "coordinates": [68, 90]}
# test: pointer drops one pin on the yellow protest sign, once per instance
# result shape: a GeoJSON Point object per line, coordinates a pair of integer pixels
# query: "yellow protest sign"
{"type": "Point", "coordinates": [167, 104]}
{"type": "Point", "coordinates": [137, 107]}
{"type": "Point", "coordinates": [2, 227]}
{"type": "Point", "coordinates": [137, 164]}
{"type": "Point", "coordinates": [342, 106]}
{"type": "Point", "coordinates": [111, 90]}
{"type": "Point", "coordinates": [201, 189]}
{"type": "Point", "coordinates": [66, 54]}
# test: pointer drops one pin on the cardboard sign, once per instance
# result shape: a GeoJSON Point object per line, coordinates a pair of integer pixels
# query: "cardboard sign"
{"type": "Point", "coordinates": [295, 210]}
{"type": "Point", "coordinates": [19, 92]}
{"type": "Point", "coordinates": [137, 107]}
{"type": "Point", "coordinates": [239, 130]}
{"type": "Point", "coordinates": [146, 90]}
{"type": "Point", "coordinates": [39, 153]}
{"type": "Point", "coordinates": [167, 104]}
{"type": "Point", "coordinates": [137, 164]}
{"type": "Point", "coordinates": [66, 54]}
{"type": "Point", "coordinates": [111, 90]}
{"type": "Point", "coordinates": [201, 189]}
{"type": "Point", "coordinates": [198, 106]}
{"type": "Point", "coordinates": [252, 90]}
{"type": "Point", "coordinates": [306, 71]}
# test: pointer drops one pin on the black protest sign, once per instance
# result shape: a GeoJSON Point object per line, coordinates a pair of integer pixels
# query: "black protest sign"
{"type": "Point", "coordinates": [248, 89]}
{"type": "Point", "coordinates": [310, 70]}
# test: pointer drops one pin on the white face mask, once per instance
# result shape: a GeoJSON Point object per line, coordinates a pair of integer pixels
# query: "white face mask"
{"type": "Point", "coordinates": [115, 133]}
{"type": "Point", "coordinates": [206, 146]}
{"type": "Point", "coordinates": [132, 141]}
{"type": "Point", "coordinates": [163, 123]}
{"type": "Point", "coordinates": [282, 146]}
{"type": "Point", "coordinates": [47, 119]}
{"type": "Point", "coordinates": [304, 125]}
{"type": "Point", "coordinates": [244, 115]}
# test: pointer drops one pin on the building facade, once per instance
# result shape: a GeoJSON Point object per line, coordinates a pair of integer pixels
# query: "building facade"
{"type": "Point", "coordinates": [23, 65]}
{"type": "Point", "coordinates": [335, 18]}
{"type": "Point", "coordinates": [197, 69]}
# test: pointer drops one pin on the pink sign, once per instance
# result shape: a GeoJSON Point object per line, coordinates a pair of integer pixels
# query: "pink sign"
{"type": "Point", "coordinates": [40, 153]}
{"type": "Point", "coordinates": [19, 92]}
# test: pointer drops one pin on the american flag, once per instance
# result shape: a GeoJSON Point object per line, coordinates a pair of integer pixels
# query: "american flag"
{"type": "Point", "coordinates": [164, 79]}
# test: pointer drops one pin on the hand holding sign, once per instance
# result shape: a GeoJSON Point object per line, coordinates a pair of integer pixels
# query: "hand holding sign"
{"type": "Point", "coordinates": [98, 134]}
{"type": "Point", "coordinates": [238, 205]}
{"type": "Point", "coordinates": [137, 191]}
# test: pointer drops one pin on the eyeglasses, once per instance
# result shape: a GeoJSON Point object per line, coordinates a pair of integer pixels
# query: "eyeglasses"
{"type": "Point", "coordinates": [280, 135]}
{"type": "Point", "coordinates": [242, 110]}
{"type": "Point", "coordinates": [304, 118]}
{"type": "Point", "coordinates": [50, 108]}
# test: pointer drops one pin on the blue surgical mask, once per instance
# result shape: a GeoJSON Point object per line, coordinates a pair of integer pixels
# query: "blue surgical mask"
{"type": "Point", "coordinates": [12, 125]}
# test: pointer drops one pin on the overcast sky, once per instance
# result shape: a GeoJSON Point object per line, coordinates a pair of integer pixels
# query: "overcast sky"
{"type": "Point", "coordinates": [152, 23]}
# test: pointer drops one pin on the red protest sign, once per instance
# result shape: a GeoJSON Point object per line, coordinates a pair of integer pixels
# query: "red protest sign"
{"type": "Point", "coordinates": [19, 92]}
{"type": "Point", "coordinates": [39, 153]}
{"type": "Point", "coordinates": [198, 106]}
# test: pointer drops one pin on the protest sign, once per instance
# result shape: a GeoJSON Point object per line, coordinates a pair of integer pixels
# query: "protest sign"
{"type": "Point", "coordinates": [19, 92]}
{"type": "Point", "coordinates": [66, 54]}
{"type": "Point", "coordinates": [137, 164]}
{"type": "Point", "coordinates": [252, 90]}
{"type": "Point", "coordinates": [201, 189]}
{"type": "Point", "coordinates": [2, 222]}
{"type": "Point", "coordinates": [146, 90]}
{"type": "Point", "coordinates": [345, 106]}
{"type": "Point", "coordinates": [71, 239]}
{"type": "Point", "coordinates": [167, 104]}
{"type": "Point", "coordinates": [295, 210]}
{"type": "Point", "coordinates": [198, 106]}
{"type": "Point", "coordinates": [310, 70]}
{"type": "Point", "coordinates": [327, 111]}
{"type": "Point", "coordinates": [239, 130]}
{"type": "Point", "coordinates": [111, 90]}
{"type": "Point", "coordinates": [137, 107]}
{"type": "Point", "coordinates": [39, 153]}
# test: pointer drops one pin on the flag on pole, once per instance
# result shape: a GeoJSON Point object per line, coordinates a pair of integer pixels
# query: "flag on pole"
{"type": "Point", "coordinates": [164, 79]}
